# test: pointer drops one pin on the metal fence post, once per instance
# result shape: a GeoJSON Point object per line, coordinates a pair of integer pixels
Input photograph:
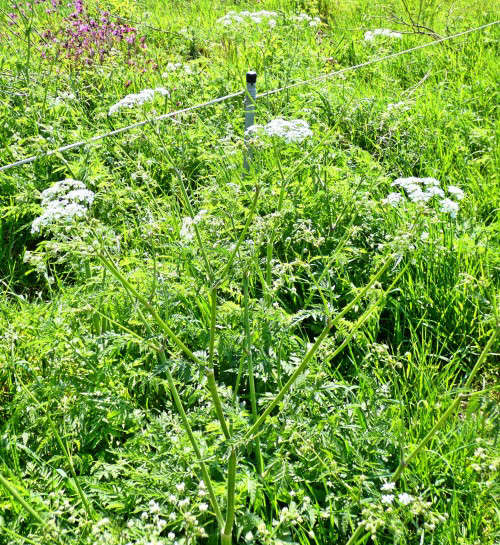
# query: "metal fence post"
{"type": "Point", "coordinates": [250, 98]}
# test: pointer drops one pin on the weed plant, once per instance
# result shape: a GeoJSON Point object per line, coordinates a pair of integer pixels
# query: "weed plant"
{"type": "Point", "coordinates": [191, 352]}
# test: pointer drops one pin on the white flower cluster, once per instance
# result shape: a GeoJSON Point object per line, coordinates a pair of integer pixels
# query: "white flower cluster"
{"type": "Point", "coordinates": [62, 202]}
{"type": "Point", "coordinates": [370, 35]}
{"type": "Point", "coordinates": [422, 190]}
{"type": "Point", "coordinates": [175, 67]}
{"type": "Point", "coordinates": [387, 499]}
{"type": "Point", "coordinates": [62, 98]}
{"type": "Point", "coordinates": [234, 18]}
{"type": "Point", "coordinates": [187, 230]}
{"type": "Point", "coordinates": [134, 99]}
{"type": "Point", "coordinates": [306, 19]}
{"type": "Point", "coordinates": [295, 130]}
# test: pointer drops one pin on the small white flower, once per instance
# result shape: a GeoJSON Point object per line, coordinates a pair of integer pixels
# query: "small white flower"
{"type": "Point", "coordinates": [203, 507]}
{"type": "Point", "coordinates": [186, 234]}
{"type": "Point", "coordinates": [154, 507]}
{"type": "Point", "coordinates": [456, 192]}
{"type": "Point", "coordinates": [171, 535]}
{"type": "Point", "coordinates": [388, 486]}
{"type": "Point", "coordinates": [370, 35]}
{"type": "Point", "coordinates": [62, 98]}
{"type": "Point", "coordinates": [434, 191]}
{"type": "Point", "coordinates": [81, 196]}
{"type": "Point", "coordinates": [393, 199]}
{"type": "Point", "coordinates": [249, 536]}
{"type": "Point", "coordinates": [235, 19]}
{"type": "Point", "coordinates": [162, 91]}
{"type": "Point", "coordinates": [62, 203]}
{"type": "Point", "coordinates": [449, 207]}
{"type": "Point", "coordinates": [387, 499]}
{"type": "Point", "coordinates": [395, 105]}
{"type": "Point", "coordinates": [184, 502]}
{"type": "Point", "coordinates": [180, 487]}
{"type": "Point", "coordinates": [405, 499]}
{"type": "Point", "coordinates": [428, 181]}
{"type": "Point", "coordinates": [295, 130]}
{"type": "Point", "coordinates": [417, 195]}
{"type": "Point", "coordinates": [137, 99]}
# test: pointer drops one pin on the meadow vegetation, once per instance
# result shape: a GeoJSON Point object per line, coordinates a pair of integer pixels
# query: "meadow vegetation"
{"type": "Point", "coordinates": [302, 353]}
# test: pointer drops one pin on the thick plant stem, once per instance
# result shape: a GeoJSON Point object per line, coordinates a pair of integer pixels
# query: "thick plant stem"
{"type": "Point", "coordinates": [192, 439]}
{"type": "Point", "coordinates": [173, 390]}
{"type": "Point", "coordinates": [312, 351]}
{"type": "Point", "coordinates": [251, 381]}
{"type": "Point", "coordinates": [226, 536]}
{"type": "Point", "coordinates": [360, 530]}
{"type": "Point", "coordinates": [212, 386]}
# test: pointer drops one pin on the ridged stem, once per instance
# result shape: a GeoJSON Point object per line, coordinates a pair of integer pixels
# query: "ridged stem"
{"type": "Point", "coordinates": [210, 374]}
{"type": "Point", "coordinates": [192, 439]}
{"type": "Point", "coordinates": [251, 381]}
{"type": "Point", "coordinates": [226, 536]}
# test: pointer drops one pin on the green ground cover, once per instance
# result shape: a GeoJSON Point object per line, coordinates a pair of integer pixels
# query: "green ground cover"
{"type": "Point", "coordinates": [303, 353]}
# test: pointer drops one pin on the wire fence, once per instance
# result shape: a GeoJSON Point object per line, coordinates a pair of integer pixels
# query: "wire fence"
{"type": "Point", "coordinates": [217, 100]}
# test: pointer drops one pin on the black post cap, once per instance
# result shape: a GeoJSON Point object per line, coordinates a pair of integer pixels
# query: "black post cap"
{"type": "Point", "coordinates": [251, 77]}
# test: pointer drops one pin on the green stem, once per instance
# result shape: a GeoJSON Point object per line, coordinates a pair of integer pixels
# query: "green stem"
{"type": "Point", "coordinates": [67, 454]}
{"type": "Point", "coordinates": [18, 536]}
{"type": "Point", "coordinates": [212, 386]}
{"type": "Point", "coordinates": [251, 381]}
{"type": "Point", "coordinates": [270, 244]}
{"type": "Point", "coordinates": [196, 230]}
{"type": "Point", "coordinates": [226, 537]}
{"type": "Point", "coordinates": [192, 439]}
{"type": "Point", "coordinates": [180, 409]}
{"type": "Point", "coordinates": [12, 490]}
{"type": "Point", "coordinates": [360, 530]}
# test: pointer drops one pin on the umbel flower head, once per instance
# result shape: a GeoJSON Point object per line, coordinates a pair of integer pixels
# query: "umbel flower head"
{"type": "Point", "coordinates": [295, 130]}
{"type": "Point", "coordinates": [234, 18]}
{"type": "Point", "coordinates": [62, 203]}
{"type": "Point", "coordinates": [370, 35]}
{"type": "Point", "coordinates": [423, 190]}
{"type": "Point", "coordinates": [134, 99]}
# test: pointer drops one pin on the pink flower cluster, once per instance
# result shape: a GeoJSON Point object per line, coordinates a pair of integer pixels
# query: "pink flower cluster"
{"type": "Point", "coordinates": [85, 36]}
